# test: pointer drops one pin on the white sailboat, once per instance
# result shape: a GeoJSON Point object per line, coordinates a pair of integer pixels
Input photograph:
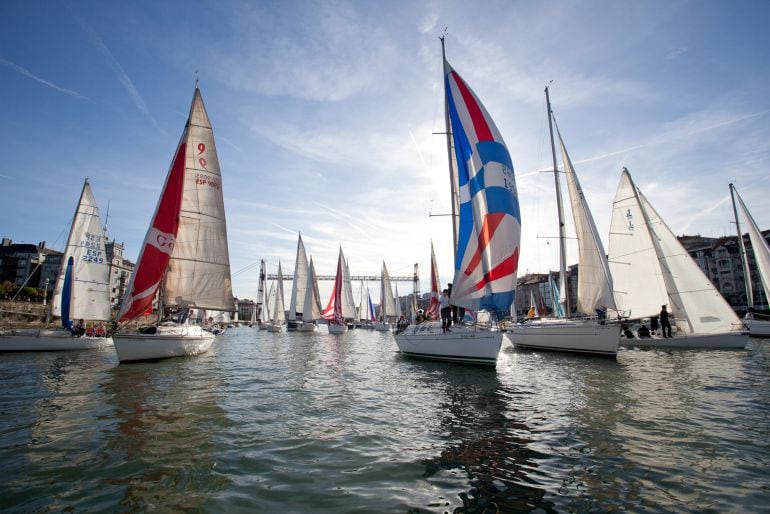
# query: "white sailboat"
{"type": "Point", "coordinates": [387, 304]}
{"type": "Point", "coordinates": [184, 253]}
{"type": "Point", "coordinates": [365, 309]}
{"type": "Point", "coordinates": [650, 268]}
{"type": "Point", "coordinates": [311, 310]}
{"type": "Point", "coordinates": [278, 312]}
{"type": "Point", "coordinates": [298, 288]}
{"type": "Point", "coordinates": [269, 300]}
{"type": "Point", "coordinates": [757, 327]}
{"type": "Point", "coordinates": [486, 231]}
{"type": "Point", "coordinates": [81, 291]}
{"type": "Point", "coordinates": [594, 280]}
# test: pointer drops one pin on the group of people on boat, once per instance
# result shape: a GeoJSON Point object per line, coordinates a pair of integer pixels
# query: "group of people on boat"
{"type": "Point", "coordinates": [80, 329]}
{"type": "Point", "coordinates": [643, 332]}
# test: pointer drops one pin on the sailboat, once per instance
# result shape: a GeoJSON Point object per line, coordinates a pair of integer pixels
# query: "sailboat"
{"type": "Point", "coordinates": [184, 256]}
{"type": "Point", "coordinates": [366, 317]}
{"type": "Point", "coordinates": [263, 318]}
{"type": "Point", "coordinates": [387, 304]}
{"type": "Point", "coordinates": [278, 312]}
{"type": "Point", "coordinates": [592, 336]}
{"type": "Point", "coordinates": [433, 312]}
{"type": "Point", "coordinates": [298, 287]}
{"type": "Point", "coordinates": [334, 311]}
{"type": "Point", "coordinates": [82, 287]}
{"type": "Point", "coordinates": [757, 327]}
{"type": "Point", "coordinates": [267, 307]}
{"type": "Point", "coordinates": [650, 268]}
{"type": "Point", "coordinates": [486, 231]}
{"type": "Point", "coordinates": [311, 310]}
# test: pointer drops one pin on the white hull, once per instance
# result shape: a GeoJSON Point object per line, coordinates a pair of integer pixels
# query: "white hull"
{"type": "Point", "coordinates": [168, 341]}
{"type": "Point", "coordinates": [758, 327]}
{"type": "Point", "coordinates": [337, 329]}
{"type": "Point", "coordinates": [382, 327]}
{"type": "Point", "coordinates": [567, 336]}
{"type": "Point", "coordinates": [49, 340]}
{"type": "Point", "coordinates": [306, 326]}
{"type": "Point", "coordinates": [463, 344]}
{"type": "Point", "coordinates": [274, 328]}
{"type": "Point", "coordinates": [724, 340]}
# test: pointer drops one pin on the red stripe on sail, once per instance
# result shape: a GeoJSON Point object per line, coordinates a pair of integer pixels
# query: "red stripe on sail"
{"type": "Point", "coordinates": [480, 125]}
{"type": "Point", "coordinates": [506, 267]}
{"type": "Point", "coordinates": [488, 229]}
{"type": "Point", "coordinates": [333, 310]}
{"type": "Point", "coordinates": [153, 262]}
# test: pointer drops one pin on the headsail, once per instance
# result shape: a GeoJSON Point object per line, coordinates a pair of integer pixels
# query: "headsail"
{"type": "Point", "coordinates": [387, 304]}
{"type": "Point", "coordinates": [199, 270]}
{"type": "Point", "coordinates": [299, 284]}
{"type": "Point", "coordinates": [594, 279]}
{"type": "Point", "coordinates": [89, 297]}
{"type": "Point", "coordinates": [333, 310]}
{"type": "Point", "coordinates": [433, 308]}
{"type": "Point", "coordinates": [279, 312]}
{"type": "Point", "coordinates": [758, 245]}
{"type": "Point", "coordinates": [311, 310]}
{"type": "Point", "coordinates": [489, 225]}
{"type": "Point", "coordinates": [159, 241]}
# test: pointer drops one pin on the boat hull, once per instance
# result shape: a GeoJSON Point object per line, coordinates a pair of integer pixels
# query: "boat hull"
{"type": "Point", "coordinates": [567, 336]}
{"type": "Point", "coordinates": [724, 340]}
{"type": "Point", "coordinates": [758, 327]}
{"type": "Point", "coordinates": [274, 328]}
{"type": "Point", "coordinates": [306, 326]}
{"type": "Point", "coordinates": [337, 329]}
{"type": "Point", "coordinates": [166, 342]}
{"type": "Point", "coordinates": [50, 341]}
{"type": "Point", "coordinates": [463, 344]}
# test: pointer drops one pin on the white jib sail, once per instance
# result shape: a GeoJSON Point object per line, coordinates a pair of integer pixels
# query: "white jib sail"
{"type": "Point", "coordinates": [758, 245]}
{"type": "Point", "coordinates": [387, 305]}
{"type": "Point", "coordinates": [311, 310]}
{"type": "Point", "coordinates": [90, 269]}
{"type": "Point", "coordinates": [199, 270]}
{"type": "Point", "coordinates": [299, 284]}
{"type": "Point", "coordinates": [694, 298]}
{"type": "Point", "coordinates": [279, 311]}
{"type": "Point", "coordinates": [348, 300]}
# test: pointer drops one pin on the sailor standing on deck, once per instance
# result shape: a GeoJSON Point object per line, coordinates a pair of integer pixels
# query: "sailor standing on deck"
{"type": "Point", "coordinates": [665, 324]}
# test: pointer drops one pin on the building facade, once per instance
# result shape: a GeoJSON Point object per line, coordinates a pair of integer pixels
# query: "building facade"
{"type": "Point", "coordinates": [29, 264]}
{"type": "Point", "coordinates": [120, 272]}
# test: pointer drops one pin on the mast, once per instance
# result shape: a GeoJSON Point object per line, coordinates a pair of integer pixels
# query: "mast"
{"type": "Point", "coordinates": [455, 196]}
{"type": "Point", "coordinates": [560, 209]}
{"type": "Point", "coordinates": [744, 256]}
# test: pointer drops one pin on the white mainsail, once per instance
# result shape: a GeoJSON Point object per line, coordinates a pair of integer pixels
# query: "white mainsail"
{"type": "Point", "coordinates": [267, 310]}
{"type": "Point", "coordinates": [279, 310]}
{"type": "Point", "coordinates": [311, 310]}
{"type": "Point", "coordinates": [199, 270]}
{"type": "Point", "coordinates": [90, 269]}
{"type": "Point", "coordinates": [594, 279]}
{"type": "Point", "coordinates": [299, 284]}
{"type": "Point", "coordinates": [363, 299]}
{"type": "Point", "coordinates": [397, 303]}
{"type": "Point", "coordinates": [637, 278]}
{"type": "Point", "coordinates": [387, 305]}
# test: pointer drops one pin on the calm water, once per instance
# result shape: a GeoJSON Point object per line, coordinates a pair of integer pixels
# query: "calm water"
{"type": "Point", "coordinates": [299, 423]}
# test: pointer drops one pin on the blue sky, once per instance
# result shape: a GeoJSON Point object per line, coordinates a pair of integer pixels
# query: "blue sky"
{"type": "Point", "coordinates": [324, 115]}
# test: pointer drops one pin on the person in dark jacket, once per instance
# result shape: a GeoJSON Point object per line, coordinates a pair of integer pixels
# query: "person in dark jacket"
{"type": "Point", "coordinates": [665, 324]}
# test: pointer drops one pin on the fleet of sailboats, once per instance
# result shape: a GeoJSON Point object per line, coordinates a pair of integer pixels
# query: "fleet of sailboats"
{"type": "Point", "coordinates": [650, 268]}
{"type": "Point", "coordinates": [757, 327]}
{"type": "Point", "coordinates": [184, 256]}
{"type": "Point", "coordinates": [593, 336]}
{"type": "Point", "coordinates": [486, 231]}
{"type": "Point", "coordinates": [81, 290]}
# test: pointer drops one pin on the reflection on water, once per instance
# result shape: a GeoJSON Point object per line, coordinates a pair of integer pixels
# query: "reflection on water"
{"type": "Point", "coordinates": [342, 423]}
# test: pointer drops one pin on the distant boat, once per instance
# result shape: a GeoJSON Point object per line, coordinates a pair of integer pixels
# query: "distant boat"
{"type": "Point", "coordinates": [298, 287]}
{"type": "Point", "coordinates": [263, 317]}
{"type": "Point", "coordinates": [757, 327]}
{"type": "Point", "coordinates": [81, 290]}
{"type": "Point", "coordinates": [486, 231]}
{"type": "Point", "coordinates": [650, 268]}
{"type": "Point", "coordinates": [338, 310]}
{"type": "Point", "coordinates": [433, 312]}
{"type": "Point", "coordinates": [562, 333]}
{"type": "Point", "coordinates": [311, 310]}
{"type": "Point", "coordinates": [184, 254]}
{"type": "Point", "coordinates": [365, 309]}
{"type": "Point", "coordinates": [387, 303]}
{"type": "Point", "coordinates": [278, 312]}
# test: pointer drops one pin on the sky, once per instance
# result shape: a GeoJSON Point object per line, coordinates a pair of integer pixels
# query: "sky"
{"type": "Point", "coordinates": [328, 115]}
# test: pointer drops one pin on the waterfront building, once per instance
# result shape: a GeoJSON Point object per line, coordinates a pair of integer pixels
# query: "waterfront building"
{"type": "Point", "coordinates": [121, 270]}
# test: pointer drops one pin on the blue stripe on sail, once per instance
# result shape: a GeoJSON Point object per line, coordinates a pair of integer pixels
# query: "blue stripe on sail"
{"type": "Point", "coordinates": [500, 199]}
{"type": "Point", "coordinates": [498, 302]}
{"type": "Point", "coordinates": [66, 295]}
{"type": "Point", "coordinates": [493, 151]}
